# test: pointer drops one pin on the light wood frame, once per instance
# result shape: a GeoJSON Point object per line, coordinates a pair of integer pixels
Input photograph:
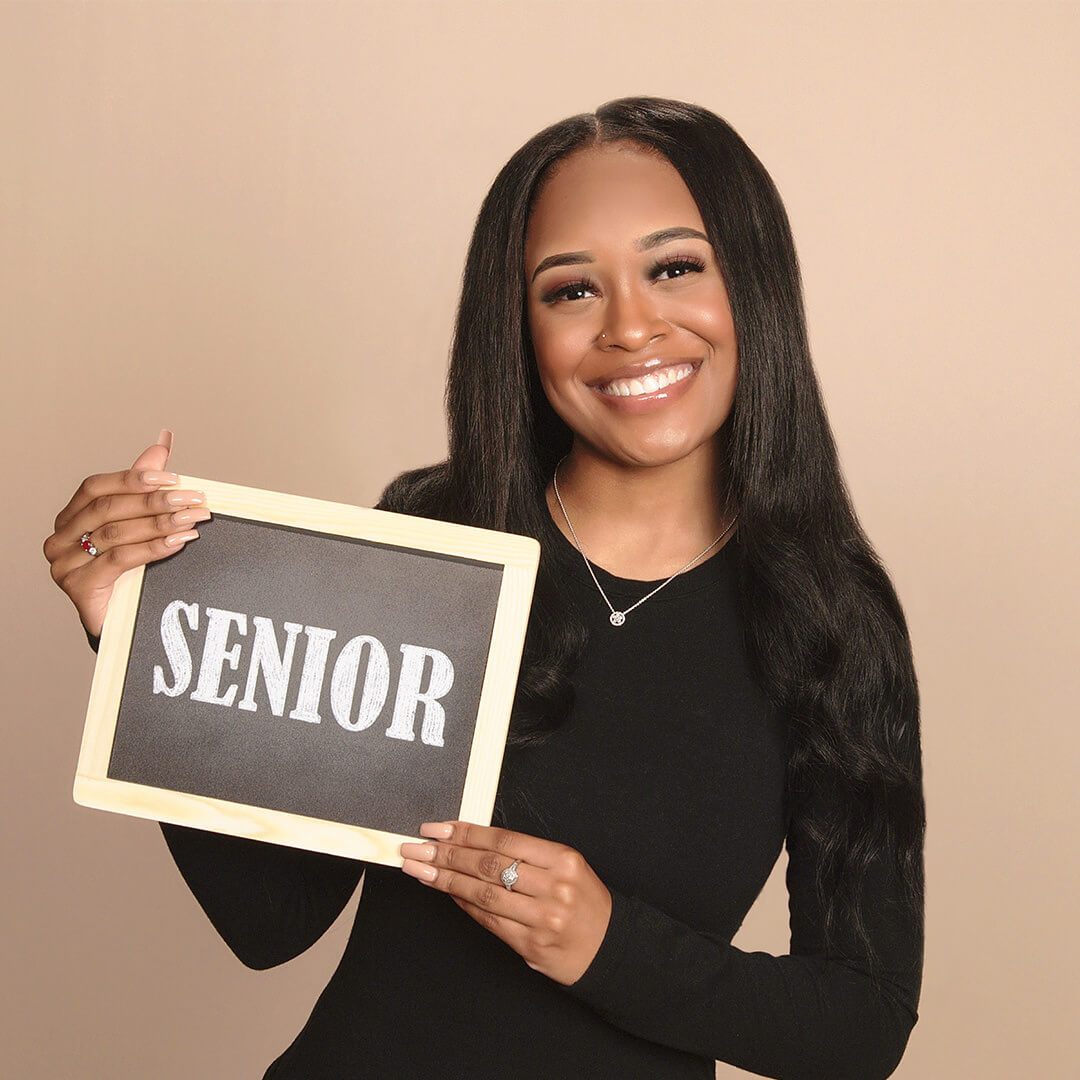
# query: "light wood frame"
{"type": "Point", "coordinates": [519, 556]}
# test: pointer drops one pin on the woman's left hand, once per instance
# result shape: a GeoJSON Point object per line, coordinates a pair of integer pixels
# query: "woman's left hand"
{"type": "Point", "coordinates": [557, 913]}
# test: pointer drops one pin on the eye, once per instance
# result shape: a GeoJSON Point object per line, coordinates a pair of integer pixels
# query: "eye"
{"type": "Point", "coordinates": [570, 286]}
{"type": "Point", "coordinates": [685, 263]}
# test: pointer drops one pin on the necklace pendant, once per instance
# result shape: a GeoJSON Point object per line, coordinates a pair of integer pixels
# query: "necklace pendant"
{"type": "Point", "coordinates": [617, 618]}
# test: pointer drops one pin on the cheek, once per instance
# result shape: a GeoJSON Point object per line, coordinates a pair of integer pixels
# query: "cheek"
{"type": "Point", "coordinates": [719, 331]}
{"type": "Point", "coordinates": [558, 349]}
{"type": "Point", "coordinates": [555, 371]}
{"type": "Point", "coordinates": [709, 317]}
{"type": "Point", "coordinates": [711, 321]}
{"type": "Point", "coordinates": [553, 365]}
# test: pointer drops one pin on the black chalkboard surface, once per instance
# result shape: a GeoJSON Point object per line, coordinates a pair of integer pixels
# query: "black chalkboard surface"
{"type": "Point", "coordinates": [310, 673]}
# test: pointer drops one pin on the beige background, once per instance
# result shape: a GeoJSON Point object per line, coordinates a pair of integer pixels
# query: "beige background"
{"type": "Point", "coordinates": [247, 222]}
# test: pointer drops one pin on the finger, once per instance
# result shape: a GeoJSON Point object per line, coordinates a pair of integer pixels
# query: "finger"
{"type": "Point", "coordinates": [102, 570]}
{"type": "Point", "coordinates": [514, 934]}
{"type": "Point", "coordinates": [483, 865]}
{"type": "Point", "coordinates": [530, 849]}
{"type": "Point", "coordinates": [155, 456]}
{"type": "Point", "coordinates": [151, 461]}
{"type": "Point", "coordinates": [165, 438]}
{"type": "Point", "coordinates": [100, 485]}
{"type": "Point", "coordinates": [112, 520]}
{"type": "Point", "coordinates": [132, 531]}
{"type": "Point", "coordinates": [495, 899]}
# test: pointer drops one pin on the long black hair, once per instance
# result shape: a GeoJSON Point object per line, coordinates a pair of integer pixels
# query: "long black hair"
{"type": "Point", "coordinates": [824, 630]}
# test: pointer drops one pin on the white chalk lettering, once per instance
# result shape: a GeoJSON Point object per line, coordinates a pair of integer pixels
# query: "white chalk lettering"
{"type": "Point", "coordinates": [176, 648]}
{"type": "Point", "coordinates": [376, 683]}
{"type": "Point", "coordinates": [218, 624]}
{"type": "Point", "coordinates": [276, 664]}
{"type": "Point", "coordinates": [409, 694]}
{"type": "Point", "coordinates": [311, 679]}
{"type": "Point", "coordinates": [275, 667]}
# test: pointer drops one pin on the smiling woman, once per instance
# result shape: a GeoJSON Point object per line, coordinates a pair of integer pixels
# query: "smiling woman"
{"type": "Point", "coordinates": [630, 380]}
{"type": "Point", "coordinates": [638, 356]}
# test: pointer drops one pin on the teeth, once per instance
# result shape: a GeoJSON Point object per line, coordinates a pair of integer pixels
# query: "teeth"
{"type": "Point", "coordinates": [649, 384]}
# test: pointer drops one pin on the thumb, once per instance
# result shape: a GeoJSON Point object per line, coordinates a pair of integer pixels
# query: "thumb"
{"type": "Point", "coordinates": [156, 455]}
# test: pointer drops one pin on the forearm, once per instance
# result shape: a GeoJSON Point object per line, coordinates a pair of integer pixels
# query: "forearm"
{"type": "Point", "coordinates": [787, 1017]}
{"type": "Point", "coordinates": [269, 902]}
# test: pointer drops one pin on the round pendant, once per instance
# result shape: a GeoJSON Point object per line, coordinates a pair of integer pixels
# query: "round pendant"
{"type": "Point", "coordinates": [617, 618]}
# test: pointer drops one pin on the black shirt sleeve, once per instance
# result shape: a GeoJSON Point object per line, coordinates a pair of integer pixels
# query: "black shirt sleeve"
{"type": "Point", "coordinates": [269, 902]}
{"type": "Point", "coordinates": [809, 1015]}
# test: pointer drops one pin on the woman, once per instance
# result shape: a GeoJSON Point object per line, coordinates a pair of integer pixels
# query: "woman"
{"type": "Point", "coordinates": [716, 662]}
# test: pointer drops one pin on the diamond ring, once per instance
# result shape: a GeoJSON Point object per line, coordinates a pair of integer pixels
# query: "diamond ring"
{"type": "Point", "coordinates": [510, 875]}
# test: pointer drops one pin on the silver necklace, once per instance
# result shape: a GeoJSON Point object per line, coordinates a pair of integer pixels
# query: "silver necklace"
{"type": "Point", "coordinates": [617, 618]}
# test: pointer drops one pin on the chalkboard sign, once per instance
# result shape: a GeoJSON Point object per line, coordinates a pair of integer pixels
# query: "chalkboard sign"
{"type": "Point", "coordinates": [310, 673]}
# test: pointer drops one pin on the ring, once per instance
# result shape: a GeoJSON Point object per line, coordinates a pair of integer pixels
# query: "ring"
{"type": "Point", "coordinates": [510, 875]}
{"type": "Point", "coordinates": [85, 543]}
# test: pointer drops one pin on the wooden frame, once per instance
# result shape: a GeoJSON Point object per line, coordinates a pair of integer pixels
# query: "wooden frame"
{"type": "Point", "coordinates": [519, 556]}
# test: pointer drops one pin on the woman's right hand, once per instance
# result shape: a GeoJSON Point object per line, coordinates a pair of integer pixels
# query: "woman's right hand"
{"type": "Point", "coordinates": [133, 517]}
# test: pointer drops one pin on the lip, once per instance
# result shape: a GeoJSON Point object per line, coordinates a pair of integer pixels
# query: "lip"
{"type": "Point", "coordinates": [657, 398]}
{"type": "Point", "coordinates": [643, 367]}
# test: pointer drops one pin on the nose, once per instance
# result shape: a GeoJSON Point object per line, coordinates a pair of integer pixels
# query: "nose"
{"type": "Point", "coordinates": [631, 321]}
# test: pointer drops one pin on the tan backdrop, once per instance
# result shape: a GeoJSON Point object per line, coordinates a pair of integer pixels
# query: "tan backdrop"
{"type": "Point", "coordinates": [247, 222]}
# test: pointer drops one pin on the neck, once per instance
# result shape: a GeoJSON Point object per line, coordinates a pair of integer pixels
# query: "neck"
{"type": "Point", "coordinates": [642, 521]}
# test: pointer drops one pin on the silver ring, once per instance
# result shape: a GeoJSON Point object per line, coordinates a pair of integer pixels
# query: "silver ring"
{"type": "Point", "coordinates": [86, 544]}
{"type": "Point", "coordinates": [510, 875]}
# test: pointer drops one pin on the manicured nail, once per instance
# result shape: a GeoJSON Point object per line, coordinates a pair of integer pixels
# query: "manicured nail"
{"type": "Point", "coordinates": [436, 830]}
{"type": "Point", "coordinates": [165, 437]}
{"type": "Point", "coordinates": [419, 870]}
{"type": "Point", "coordinates": [186, 498]}
{"type": "Point", "coordinates": [421, 852]}
{"type": "Point", "coordinates": [159, 478]}
{"type": "Point", "coordinates": [185, 517]}
{"type": "Point", "coordinates": [180, 538]}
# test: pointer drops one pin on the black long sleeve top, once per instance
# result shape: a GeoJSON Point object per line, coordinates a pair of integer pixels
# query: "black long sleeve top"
{"type": "Point", "coordinates": [668, 777]}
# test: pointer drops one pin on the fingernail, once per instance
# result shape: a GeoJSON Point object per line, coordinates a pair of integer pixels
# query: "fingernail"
{"type": "Point", "coordinates": [180, 538]}
{"type": "Point", "coordinates": [419, 870]}
{"type": "Point", "coordinates": [165, 437]}
{"type": "Point", "coordinates": [159, 478]}
{"type": "Point", "coordinates": [420, 852]}
{"type": "Point", "coordinates": [436, 831]}
{"type": "Point", "coordinates": [189, 498]}
{"type": "Point", "coordinates": [183, 517]}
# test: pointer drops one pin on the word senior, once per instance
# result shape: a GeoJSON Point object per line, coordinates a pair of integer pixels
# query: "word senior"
{"type": "Point", "coordinates": [276, 667]}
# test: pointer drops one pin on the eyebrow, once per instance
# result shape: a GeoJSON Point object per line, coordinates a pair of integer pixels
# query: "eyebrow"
{"type": "Point", "coordinates": [654, 239]}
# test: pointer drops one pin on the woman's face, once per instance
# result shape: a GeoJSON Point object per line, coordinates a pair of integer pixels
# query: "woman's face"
{"type": "Point", "coordinates": [609, 296]}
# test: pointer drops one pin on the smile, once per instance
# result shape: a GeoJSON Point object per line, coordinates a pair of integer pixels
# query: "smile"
{"type": "Point", "coordinates": [647, 384]}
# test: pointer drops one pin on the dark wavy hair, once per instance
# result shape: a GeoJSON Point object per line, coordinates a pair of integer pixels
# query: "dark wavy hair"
{"type": "Point", "coordinates": [824, 629]}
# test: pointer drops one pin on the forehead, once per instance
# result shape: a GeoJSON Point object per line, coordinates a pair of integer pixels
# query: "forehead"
{"type": "Point", "coordinates": [607, 196]}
